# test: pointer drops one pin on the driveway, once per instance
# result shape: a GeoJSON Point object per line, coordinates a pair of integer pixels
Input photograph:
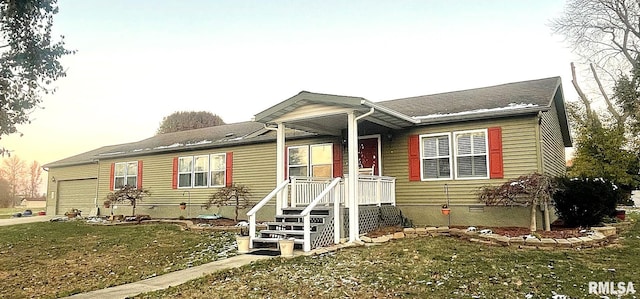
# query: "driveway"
{"type": "Point", "coordinates": [21, 220]}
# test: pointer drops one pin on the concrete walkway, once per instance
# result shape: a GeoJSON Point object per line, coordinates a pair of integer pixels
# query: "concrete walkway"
{"type": "Point", "coordinates": [170, 279]}
{"type": "Point", "coordinates": [22, 220]}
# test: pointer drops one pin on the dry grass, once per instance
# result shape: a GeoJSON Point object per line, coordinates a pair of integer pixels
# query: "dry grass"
{"type": "Point", "coordinates": [439, 267]}
{"type": "Point", "coordinates": [47, 260]}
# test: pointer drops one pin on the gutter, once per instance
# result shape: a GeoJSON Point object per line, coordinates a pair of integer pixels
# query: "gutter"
{"type": "Point", "coordinates": [482, 115]}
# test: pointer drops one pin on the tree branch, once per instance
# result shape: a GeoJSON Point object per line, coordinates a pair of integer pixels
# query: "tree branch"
{"type": "Point", "coordinates": [620, 120]}
{"type": "Point", "coordinates": [581, 94]}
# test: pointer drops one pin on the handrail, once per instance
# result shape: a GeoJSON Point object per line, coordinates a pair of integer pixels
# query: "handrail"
{"type": "Point", "coordinates": [254, 210]}
{"type": "Point", "coordinates": [318, 198]}
{"type": "Point", "coordinates": [306, 213]}
{"type": "Point", "coordinates": [267, 198]}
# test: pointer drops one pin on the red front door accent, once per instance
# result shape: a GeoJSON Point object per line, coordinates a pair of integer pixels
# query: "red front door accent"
{"type": "Point", "coordinates": [368, 154]}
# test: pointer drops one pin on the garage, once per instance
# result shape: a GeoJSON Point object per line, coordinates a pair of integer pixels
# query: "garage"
{"type": "Point", "coordinates": [76, 194]}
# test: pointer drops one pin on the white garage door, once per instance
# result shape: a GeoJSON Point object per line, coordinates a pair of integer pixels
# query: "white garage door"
{"type": "Point", "coordinates": [76, 194]}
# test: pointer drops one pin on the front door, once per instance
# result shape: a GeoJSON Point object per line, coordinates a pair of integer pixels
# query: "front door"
{"type": "Point", "coordinates": [368, 154]}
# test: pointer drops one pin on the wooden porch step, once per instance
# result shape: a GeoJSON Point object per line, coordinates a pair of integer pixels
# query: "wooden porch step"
{"type": "Point", "coordinates": [299, 217]}
{"type": "Point", "coordinates": [298, 225]}
{"type": "Point", "coordinates": [282, 232]}
{"type": "Point", "coordinates": [290, 223]}
{"type": "Point", "coordinates": [275, 240]}
{"type": "Point", "coordinates": [315, 211]}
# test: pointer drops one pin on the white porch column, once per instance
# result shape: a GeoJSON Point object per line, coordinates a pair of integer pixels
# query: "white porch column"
{"type": "Point", "coordinates": [352, 180]}
{"type": "Point", "coordinates": [280, 156]}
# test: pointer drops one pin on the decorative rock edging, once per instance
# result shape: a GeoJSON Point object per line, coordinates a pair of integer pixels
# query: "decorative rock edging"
{"type": "Point", "coordinates": [598, 237]}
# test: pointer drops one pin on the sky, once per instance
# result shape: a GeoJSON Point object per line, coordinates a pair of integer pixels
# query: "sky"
{"type": "Point", "coordinates": [139, 61]}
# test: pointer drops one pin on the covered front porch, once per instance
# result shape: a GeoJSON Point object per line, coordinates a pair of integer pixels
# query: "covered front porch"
{"type": "Point", "coordinates": [326, 189]}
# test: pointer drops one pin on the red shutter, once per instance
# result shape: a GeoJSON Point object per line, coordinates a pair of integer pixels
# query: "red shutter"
{"type": "Point", "coordinates": [414, 158]}
{"type": "Point", "coordinates": [139, 182]}
{"type": "Point", "coordinates": [496, 170]}
{"type": "Point", "coordinates": [229, 170]}
{"type": "Point", "coordinates": [337, 160]}
{"type": "Point", "coordinates": [111, 176]}
{"type": "Point", "coordinates": [174, 174]}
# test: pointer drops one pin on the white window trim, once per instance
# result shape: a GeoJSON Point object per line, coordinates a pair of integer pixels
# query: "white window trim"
{"type": "Point", "coordinates": [310, 168]}
{"type": "Point", "coordinates": [125, 173]}
{"type": "Point", "coordinates": [191, 172]}
{"type": "Point", "coordinates": [224, 170]}
{"type": "Point", "coordinates": [455, 156]}
{"type": "Point", "coordinates": [310, 162]}
{"type": "Point", "coordinates": [207, 173]}
{"type": "Point", "coordinates": [450, 156]}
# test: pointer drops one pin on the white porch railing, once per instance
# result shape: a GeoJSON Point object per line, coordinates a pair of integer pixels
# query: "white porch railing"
{"type": "Point", "coordinates": [372, 190]}
{"type": "Point", "coordinates": [375, 190]}
{"type": "Point", "coordinates": [305, 189]}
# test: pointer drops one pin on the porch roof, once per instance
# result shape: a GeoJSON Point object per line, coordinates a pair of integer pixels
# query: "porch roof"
{"type": "Point", "coordinates": [332, 123]}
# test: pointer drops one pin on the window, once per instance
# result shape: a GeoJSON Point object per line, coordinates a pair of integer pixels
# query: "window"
{"type": "Point", "coordinates": [311, 160]}
{"type": "Point", "coordinates": [471, 154]}
{"type": "Point", "coordinates": [202, 171]}
{"type": "Point", "coordinates": [218, 167]}
{"type": "Point", "coordinates": [185, 171]}
{"type": "Point", "coordinates": [125, 174]}
{"type": "Point", "coordinates": [436, 157]}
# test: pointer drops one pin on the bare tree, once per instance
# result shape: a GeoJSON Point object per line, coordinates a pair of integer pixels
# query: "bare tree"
{"type": "Point", "coordinates": [5, 197]}
{"type": "Point", "coordinates": [13, 170]}
{"type": "Point", "coordinates": [34, 180]}
{"type": "Point", "coordinates": [606, 34]}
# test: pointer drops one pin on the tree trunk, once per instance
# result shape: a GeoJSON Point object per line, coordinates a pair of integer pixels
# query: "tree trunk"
{"type": "Point", "coordinates": [547, 221]}
{"type": "Point", "coordinates": [236, 208]}
{"type": "Point", "coordinates": [533, 225]}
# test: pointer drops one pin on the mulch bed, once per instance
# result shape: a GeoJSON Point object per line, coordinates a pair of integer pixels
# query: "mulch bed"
{"type": "Point", "coordinates": [556, 233]}
{"type": "Point", "coordinates": [215, 222]}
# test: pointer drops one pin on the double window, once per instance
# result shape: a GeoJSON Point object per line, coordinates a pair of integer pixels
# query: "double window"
{"type": "Point", "coordinates": [311, 160]}
{"type": "Point", "coordinates": [202, 171]}
{"type": "Point", "coordinates": [125, 174]}
{"type": "Point", "coordinates": [464, 151]}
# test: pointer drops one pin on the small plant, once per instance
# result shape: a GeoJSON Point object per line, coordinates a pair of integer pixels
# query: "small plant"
{"type": "Point", "coordinates": [106, 203]}
{"type": "Point", "coordinates": [244, 231]}
{"type": "Point", "coordinates": [235, 195]}
{"type": "Point", "coordinates": [129, 194]}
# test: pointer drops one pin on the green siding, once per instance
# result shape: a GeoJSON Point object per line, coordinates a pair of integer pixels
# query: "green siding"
{"type": "Point", "coordinates": [65, 174]}
{"type": "Point", "coordinates": [519, 157]}
{"type": "Point", "coordinates": [553, 159]}
{"type": "Point", "coordinates": [253, 166]}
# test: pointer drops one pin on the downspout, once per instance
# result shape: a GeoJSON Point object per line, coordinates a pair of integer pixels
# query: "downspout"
{"type": "Point", "coordinates": [366, 114]}
{"type": "Point", "coordinates": [98, 184]}
{"type": "Point", "coordinates": [354, 219]}
{"type": "Point", "coordinates": [539, 149]}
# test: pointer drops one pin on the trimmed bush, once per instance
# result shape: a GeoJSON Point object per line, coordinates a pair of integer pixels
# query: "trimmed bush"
{"type": "Point", "coordinates": [584, 202]}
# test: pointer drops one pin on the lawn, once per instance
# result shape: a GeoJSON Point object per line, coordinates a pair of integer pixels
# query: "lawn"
{"type": "Point", "coordinates": [54, 259]}
{"type": "Point", "coordinates": [427, 267]}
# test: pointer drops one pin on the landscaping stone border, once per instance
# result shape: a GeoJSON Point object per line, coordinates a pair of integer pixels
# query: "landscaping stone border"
{"type": "Point", "coordinates": [597, 237]}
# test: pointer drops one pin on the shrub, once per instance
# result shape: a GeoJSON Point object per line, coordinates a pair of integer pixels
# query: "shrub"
{"type": "Point", "coordinates": [585, 201]}
{"type": "Point", "coordinates": [129, 194]}
{"type": "Point", "coordinates": [528, 190]}
{"type": "Point", "coordinates": [235, 195]}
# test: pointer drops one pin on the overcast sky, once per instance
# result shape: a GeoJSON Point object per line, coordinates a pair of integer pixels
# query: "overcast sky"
{"type": "Point", "coordinates": [139, 61]}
